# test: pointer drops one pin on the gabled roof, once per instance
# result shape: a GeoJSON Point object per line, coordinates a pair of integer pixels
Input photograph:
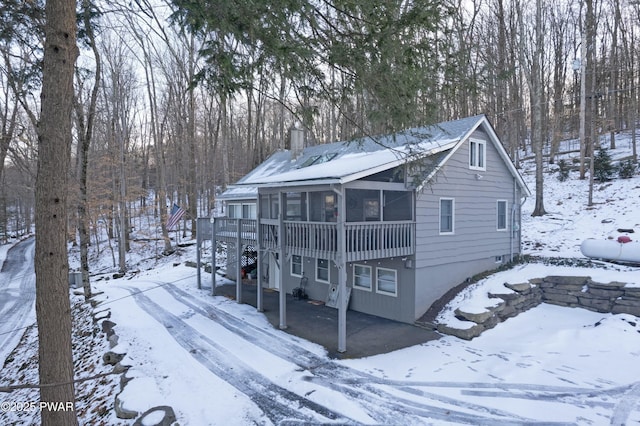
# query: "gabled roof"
{"type": "Point", "coordinates": [343, 162]}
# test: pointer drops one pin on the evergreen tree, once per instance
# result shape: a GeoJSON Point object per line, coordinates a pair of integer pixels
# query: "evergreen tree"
{"type": "Point", "coordinates": [602, 166]}
{"type": "Point", "coordinates": [384, 52]}
{"type": "Point", "coordinates": [627, 169]}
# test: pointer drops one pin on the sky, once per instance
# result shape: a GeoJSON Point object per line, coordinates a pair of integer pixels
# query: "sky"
{"type": "Point", "coordinates": [219, 363]}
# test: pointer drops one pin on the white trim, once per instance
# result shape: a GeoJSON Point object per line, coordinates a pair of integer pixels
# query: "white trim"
{"type": "Point", "coordinates": [239, 210]}
{"type": "Point", "coordinates": [506, 215]}
{"type": "Point", "coordinates": [402, 158]}
{"type": "Point", "coordinates": [395, 274]}
{"type": "Point", "coordinates": [245, 187]}
{"type": "Point", "coordinates": [477, 156]}
{"type": "Point", "coordinates": [370, 288]}
{"type": "Point", "coordinates": [453, 216]}
{"type": "Point", "coordinates": [328, 280]}
{"type": "Point", "coordinates": [495, 141]}
{"type": "Point", "coordinates": [493, 137]}
{"type": "Point", "coordinates": [236, 208]}
{"type": "Point", "coordinates": [301, 266]}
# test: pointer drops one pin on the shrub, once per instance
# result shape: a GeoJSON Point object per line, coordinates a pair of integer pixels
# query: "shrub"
{"type": "Point", "coordinates": [602, 166]}
{"type": "Point", "coordinates": [627, 169]}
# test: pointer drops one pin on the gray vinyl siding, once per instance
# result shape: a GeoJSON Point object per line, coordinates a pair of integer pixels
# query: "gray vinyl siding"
{"type": "Point", "coordinates": [399, 307]}
{"type": "Point", "coordinates": [443, 261]}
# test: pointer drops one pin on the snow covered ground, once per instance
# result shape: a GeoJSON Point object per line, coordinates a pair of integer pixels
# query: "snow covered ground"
{"type": "Point", "coordinates": [219, 363]}
{"type": "Point", "coordinates": [17, 296]}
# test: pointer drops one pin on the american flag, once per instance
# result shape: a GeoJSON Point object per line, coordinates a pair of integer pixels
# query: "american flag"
{"type": "Point", "coordinates": [176, 214]}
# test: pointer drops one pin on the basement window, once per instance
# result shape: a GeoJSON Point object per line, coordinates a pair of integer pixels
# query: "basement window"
{"type": "Point", "coordinates": [362, 277]}
{"type": "Point", "coordinates": [387, 281]}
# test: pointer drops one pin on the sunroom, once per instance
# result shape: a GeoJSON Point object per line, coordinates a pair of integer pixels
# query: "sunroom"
{"type": "Point", "coordinates": [378, 223]}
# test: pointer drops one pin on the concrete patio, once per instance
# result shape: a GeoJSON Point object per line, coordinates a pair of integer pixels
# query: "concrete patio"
{"type": "Point", "coordinates": [367, 335]}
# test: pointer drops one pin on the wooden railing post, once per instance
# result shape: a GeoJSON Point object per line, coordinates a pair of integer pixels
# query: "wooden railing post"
{"type": "Point", "coordinates": [239, 261]}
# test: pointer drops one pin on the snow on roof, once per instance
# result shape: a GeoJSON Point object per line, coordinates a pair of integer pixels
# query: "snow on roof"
{"type": "Point", "coordinates": [235, 192]}
{"type": "Point", "coordinates": [342, 162]}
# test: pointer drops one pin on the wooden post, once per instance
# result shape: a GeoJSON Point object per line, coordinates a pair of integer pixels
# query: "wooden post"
{"type": "Point", "coordinates": [199, 243]}
{"type": "Point", "coordinates": [213, 256]}
{"type": "Point", "coordinates": [342, 274]}
{"type": "Point", "coordinates": [259, 299]}
{"type": "Point", "coordinates": [239, 261]}
{"type": "Point", "coordinates": [281, 254]}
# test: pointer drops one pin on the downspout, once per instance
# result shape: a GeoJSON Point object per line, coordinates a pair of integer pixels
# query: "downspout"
{"type": "Point", "coordinates": [524, 199]}
{"type": "Point", "coordinates": [516, 229]}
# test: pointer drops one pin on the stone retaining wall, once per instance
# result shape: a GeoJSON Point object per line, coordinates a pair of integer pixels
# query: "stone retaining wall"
{"type": "Point", "coordinates": [574, 292]}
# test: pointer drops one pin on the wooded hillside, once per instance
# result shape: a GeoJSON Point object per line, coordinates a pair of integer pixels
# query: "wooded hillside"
{"type": "Point", "coordinates": [177, 99]}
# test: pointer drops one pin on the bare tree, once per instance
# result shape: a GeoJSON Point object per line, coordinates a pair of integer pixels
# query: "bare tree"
{"type": "Point", "coordinates": [558, 30]}
{"type": "Point", "coordinates": [120, 101]}
{"type": "Point", "coordinates": [8, 118]}
{"type": "Point", "coordinates": [531, 58]}
{"type": "Point", "coordinates": [85, 122]}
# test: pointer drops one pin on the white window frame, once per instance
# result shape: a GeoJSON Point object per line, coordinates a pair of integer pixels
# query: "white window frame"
{"type": "Point", "coordinates": [328, 280]}
{"type": "Point", "coordinates": [242, 210]}
{"type": "Point", "coordinates": [453, 216]}
{"type": "Point", "coordinates": [236, 208]}
{"type": "Point", "coordinates": [506, 215]}
{"type": "Point", "coordinates": [356, 275]}
{"type": "Point", "coordinates": [293, 274]}
{"type": "Point", "coordinates": [477, 154]}
{"type": "Point", "coordinates": [249, 211]}
{"type": "Point", "coordinates": [395, 275]}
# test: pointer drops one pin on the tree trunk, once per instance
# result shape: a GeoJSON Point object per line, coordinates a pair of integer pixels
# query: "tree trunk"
{"type": "Point", "coordinates": [192, 192]}
{"type": "Point", "coordinates": [7, 131]}
{"type": "Point", "coordinates": [533, 70]}
{"type": "Point", "coordinates": [51, 263]}
{"type": "Point", "coordinates": [85, 131]}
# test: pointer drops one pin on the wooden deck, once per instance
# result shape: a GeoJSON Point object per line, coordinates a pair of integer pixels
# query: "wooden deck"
{"type": "Point", "coordinates": [363, 240]}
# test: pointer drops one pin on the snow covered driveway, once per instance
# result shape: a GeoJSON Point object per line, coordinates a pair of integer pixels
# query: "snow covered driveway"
{"type": "Point", "coordinates": [217, 362]}
{"type": "Point", "coordinates": [17, 295]}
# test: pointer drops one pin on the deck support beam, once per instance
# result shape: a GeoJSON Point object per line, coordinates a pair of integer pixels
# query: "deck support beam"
{"type": "Point", "coordinates": [259, 297]}
{"type": "Point", "coordinates": [281, 255]}
{"type": "Point", "coordinates": [342, 271]}
{"type": "Point", "coordinates": [214, 246]}
{"type": "Point", "coordinates": [239, 261]}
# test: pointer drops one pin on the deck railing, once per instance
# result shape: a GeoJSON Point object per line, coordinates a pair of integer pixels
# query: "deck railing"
{"type": "Point", "coordinates": [363, 240]}
{"type": "Point", "coordinates": [227, 230]}
{"type": "Point", "coordinates": [379, 240]}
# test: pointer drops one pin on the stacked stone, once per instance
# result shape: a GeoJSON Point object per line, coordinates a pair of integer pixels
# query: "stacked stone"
{"type": "Point", "coordinates": [574, 292]}
{"type": "Point", "coordinates": [628, 303]}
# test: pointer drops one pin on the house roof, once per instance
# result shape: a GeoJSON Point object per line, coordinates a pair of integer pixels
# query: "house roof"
{"type": "Point", "coordinates": [343, 162]}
